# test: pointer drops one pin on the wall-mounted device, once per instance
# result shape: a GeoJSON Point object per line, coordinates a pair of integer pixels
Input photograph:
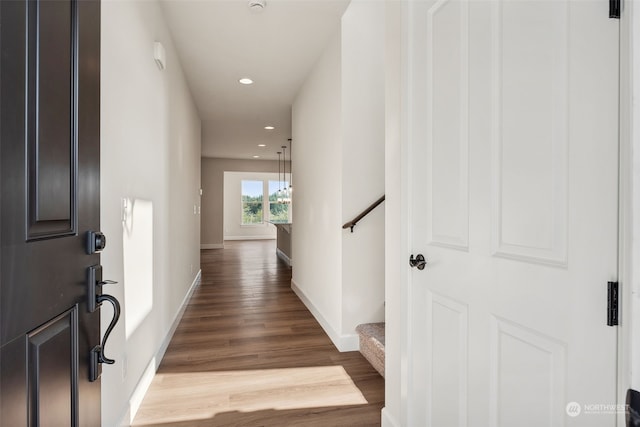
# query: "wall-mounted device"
{"type": "Point", "coordinates": [160, 55]}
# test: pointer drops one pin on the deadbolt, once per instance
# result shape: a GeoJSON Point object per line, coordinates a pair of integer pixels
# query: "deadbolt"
{"type": "Point", "coordinates": [96, 242]}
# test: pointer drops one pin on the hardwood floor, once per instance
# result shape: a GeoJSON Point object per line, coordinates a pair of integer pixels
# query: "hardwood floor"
{"type": "Point", "coordinates": [248, 353]}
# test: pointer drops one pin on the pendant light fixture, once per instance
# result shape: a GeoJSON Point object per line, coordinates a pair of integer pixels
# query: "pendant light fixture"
{"type": "Point", "coordinates": [285, 193]}
{"type": "Point", "coordinates": [279, 195]}
{"type": "Point", "coordinates": [290, 167]}
{"type": "Point", "coordinates": [285, 198]}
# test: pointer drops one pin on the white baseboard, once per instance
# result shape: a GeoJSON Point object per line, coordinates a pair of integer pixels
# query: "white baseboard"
{"type": "Point", "coordinates": [177, 318]}
{"type": "Point", "coordinates": [212, 246]}
{"type": "Point", "coordinates": [145, 381]}
{"type": "Point", "coordinates": [284, 257]}
{"type": "Point", "coordinates": [388, 420]}
{"type": "Point", "coordinates": [262, 237]}
{"type": "Point", "coordinates": [125, 419]}
{"type": "Point", "coordinates": [342, 342]}
{"type": "Point", "coordinates": [139, 392]}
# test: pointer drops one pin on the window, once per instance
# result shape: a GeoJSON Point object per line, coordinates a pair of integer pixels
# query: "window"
{"type": "Point", "coordinates": [277, 211]}
{"type": "Point", "coordinates": [252, 202]}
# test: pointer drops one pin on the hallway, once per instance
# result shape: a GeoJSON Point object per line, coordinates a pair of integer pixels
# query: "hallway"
{"type": "Point", "coordinates": [248, 353]}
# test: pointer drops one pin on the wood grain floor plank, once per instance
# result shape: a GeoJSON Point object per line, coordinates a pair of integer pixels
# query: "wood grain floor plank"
{"type": "Point", "coordinates": [248, 353]}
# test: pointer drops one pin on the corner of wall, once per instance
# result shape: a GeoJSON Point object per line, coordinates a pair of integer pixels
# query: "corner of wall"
{"type": "Point", "coordinates": [343, 342]}
{"type": "Point", "coordinates": [363, 144]}
{"type": "Point", "coordinates": [388, 420]}
{"type": "Point", "coordinates": [316, 241]}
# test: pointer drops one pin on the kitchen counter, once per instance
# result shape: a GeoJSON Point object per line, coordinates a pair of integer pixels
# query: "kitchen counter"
{"type": "Point", "coordinates": [283, 243]}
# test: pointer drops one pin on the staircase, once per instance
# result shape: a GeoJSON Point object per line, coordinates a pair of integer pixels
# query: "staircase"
{"type": "Point", "coordinates": [372, 344]}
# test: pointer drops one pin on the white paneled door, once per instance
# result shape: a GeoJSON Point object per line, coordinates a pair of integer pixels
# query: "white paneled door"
{"type": "Point", "coordinates": [512, 130]}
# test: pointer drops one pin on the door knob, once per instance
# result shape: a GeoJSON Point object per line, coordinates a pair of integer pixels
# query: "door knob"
{"type": "Point", "coordinates": [419, 261]}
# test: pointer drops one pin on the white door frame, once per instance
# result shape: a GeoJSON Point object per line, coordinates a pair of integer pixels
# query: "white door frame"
{"type": "Point", "coordinates": [629, 201]}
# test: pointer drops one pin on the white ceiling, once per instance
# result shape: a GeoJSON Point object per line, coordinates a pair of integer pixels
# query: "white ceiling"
{"type": "Point", "coordinates": [221, 41]}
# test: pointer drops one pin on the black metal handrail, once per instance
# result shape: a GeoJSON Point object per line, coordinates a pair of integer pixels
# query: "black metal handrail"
{"type": "Point", "coordinates": [364, 213]}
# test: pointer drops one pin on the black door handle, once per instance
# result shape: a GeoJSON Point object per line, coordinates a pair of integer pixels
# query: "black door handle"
{"type": "Point", "coordinates": [419, 261]}
{"type": "Point", "coordinates": [116, 316]}
{"type": "Point", "coordinates": [97, 356]}
{"type": "Point", "coordinates": [95, 298]}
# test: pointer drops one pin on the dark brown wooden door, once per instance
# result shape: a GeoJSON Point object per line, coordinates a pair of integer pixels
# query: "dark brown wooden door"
{"type": "Point", "coordinates": [50, 198]}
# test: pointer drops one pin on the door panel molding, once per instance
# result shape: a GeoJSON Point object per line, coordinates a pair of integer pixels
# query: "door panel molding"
{"type": "Point", "coordinates": [526, 366]}
{"type": "Point", "coordinates": [447, 337]}
{"type": "Point", "coordinates": [530, 157]}
{"type": "Point", "coordinates": [51, 128]}
{"type": "Point", "coordinates": [52, 371]}
{"type": "Point", "coordinates": [448, 128]}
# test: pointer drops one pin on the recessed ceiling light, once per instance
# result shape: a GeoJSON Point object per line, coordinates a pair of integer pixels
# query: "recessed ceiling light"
{"type": "Point", "coordinates": [256, 157]}
{"type": "Point", "coordinates": [262, 145]}
{"type": "Point", "coordinates": [269, 127]}
{"type": "Point", "coordinates": [245, 81]}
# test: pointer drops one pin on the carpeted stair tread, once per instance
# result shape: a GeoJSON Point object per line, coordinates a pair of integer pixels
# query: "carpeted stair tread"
{"type": "Point", "coordinates": [372, 344]}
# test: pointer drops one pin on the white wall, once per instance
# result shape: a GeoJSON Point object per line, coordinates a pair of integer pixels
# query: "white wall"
{"type": "Point", "coordinates": [233, 228]}
{"type": "Point", "coordinates": [363, 164]}
{"type": "Point", "coordinates": [338, 132]}
{"type": "Point", "coordinates": [150, 158]}
{"type": "Point", "coordinates": [317, 239]}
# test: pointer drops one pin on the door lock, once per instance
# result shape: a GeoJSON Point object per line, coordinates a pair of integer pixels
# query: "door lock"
{"type": "Point", "coordinates": [96, 242]}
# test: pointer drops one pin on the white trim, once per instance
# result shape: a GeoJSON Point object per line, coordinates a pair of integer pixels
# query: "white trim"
{"type": "Point", "coordinates": [147, 378]}
{"type": "Point", "coordinates": [396, 224]}
{"type": "Point", "coordinates": [178, 318]}
{"type": "Point", "coordinates": [263, 237]}
{"type": "Point", "coordinates": [284, 257]}
{"type": "Point", "coordinates": [387, 419]}
{"type": "Point", "coordinates": [628, 197]}
{"type": "Point", "coordinates": [212, 246]}
{"type": "Point", "coordinates": [140, 391]}
{"type": "Point", "coordinates": [343, 342]}
{"type": "Point", "coordinates": [406, 211]}
{"type": "Point", "coordinates": [124, 420]}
